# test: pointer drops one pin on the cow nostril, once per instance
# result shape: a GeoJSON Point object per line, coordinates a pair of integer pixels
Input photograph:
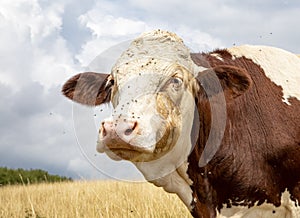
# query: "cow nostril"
{"type": "Point", "coordinates": [130, 130]}
{"type": "Point", "coordinates": [103, 130]}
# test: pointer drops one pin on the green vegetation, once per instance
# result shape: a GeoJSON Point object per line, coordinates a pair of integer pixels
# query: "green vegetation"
{"type": "Point", "coordinates": [21, 176]}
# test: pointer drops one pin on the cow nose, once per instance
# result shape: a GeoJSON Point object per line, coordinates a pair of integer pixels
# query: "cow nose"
{"type": "Point", "coordinates": [122, 129]}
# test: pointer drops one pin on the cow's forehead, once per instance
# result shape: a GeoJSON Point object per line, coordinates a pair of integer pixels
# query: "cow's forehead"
{"type": "Point", "coordinates": [141, 68]}
{"type": "Point", "coordinates": [153, 52]}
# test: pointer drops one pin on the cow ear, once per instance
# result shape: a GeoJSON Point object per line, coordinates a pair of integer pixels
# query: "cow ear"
{"type": "Point", "coordinates": [233, 81]}
{"type": "Point", "coordinates": [89, 88]}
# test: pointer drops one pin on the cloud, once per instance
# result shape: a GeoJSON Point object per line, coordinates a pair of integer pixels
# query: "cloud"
{"type": "Point", "coordinates": [71, 30]}
{"type": "Point", "coordinates": [106, 25]}
{"type": "Point", "coordinates": [29, 48]}
{"type": "Point", "coordinates": [198, 41]}
{"type": "Point", "coordinates": [108, 29]}
{"type": "Point", "coordinates": [34, 131]}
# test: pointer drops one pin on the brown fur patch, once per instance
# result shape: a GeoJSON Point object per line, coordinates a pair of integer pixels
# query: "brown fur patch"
{"type": "Point", "coordinates": [259, 156]}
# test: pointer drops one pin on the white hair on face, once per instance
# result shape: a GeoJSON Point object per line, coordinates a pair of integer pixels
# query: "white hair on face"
{"type": "Point", "coordinates": [162, 47]}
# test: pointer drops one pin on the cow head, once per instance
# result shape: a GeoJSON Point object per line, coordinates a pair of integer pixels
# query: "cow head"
{"type": "Point", "coordinates": [152, 88]}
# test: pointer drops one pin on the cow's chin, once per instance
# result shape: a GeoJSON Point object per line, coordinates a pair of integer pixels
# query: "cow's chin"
{"type": "Point", "coordinates": [135, 153]}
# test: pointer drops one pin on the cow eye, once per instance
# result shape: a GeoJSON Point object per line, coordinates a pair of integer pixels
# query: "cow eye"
{"type": "Point", "coordinates": [175, 81]}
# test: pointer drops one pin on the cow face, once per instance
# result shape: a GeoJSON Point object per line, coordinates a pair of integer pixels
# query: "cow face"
{"type": "Point", "coordinates": [152, 88]}
{"type": "Point", "coordinates": [149, 107]}
{"type": "Point", "coordinates": [150, 104]}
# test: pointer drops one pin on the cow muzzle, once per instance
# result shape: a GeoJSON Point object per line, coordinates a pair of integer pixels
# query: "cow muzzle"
{"type": "Point", "coordinates": [120, 137]}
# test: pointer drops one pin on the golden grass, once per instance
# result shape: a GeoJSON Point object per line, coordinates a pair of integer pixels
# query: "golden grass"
{"type": "Point", "coordinates": [89, 199]}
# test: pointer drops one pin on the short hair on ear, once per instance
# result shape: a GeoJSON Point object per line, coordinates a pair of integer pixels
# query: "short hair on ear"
{"type": "Point", "coordinates": [88, 88]}
{"type": "Point", "coordinates": [231, 80]}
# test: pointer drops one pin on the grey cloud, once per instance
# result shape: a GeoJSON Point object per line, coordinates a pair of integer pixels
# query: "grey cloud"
{"type": "Point", "coordinates": [71, 24]}
{"type": "Point", "coordinates": [30, 135]}
{"type": "Point", "coordinates": [29, 101]}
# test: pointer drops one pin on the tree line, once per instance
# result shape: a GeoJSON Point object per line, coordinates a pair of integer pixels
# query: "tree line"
{"type": "Point", "coordinates": [22, 176]}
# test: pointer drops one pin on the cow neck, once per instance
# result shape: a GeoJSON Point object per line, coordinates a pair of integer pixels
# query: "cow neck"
{"type": "Point", "coordinates": [257, 159]}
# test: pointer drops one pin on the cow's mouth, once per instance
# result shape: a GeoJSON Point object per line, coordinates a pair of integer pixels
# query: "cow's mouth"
{"type": "Point", "coordinates": [127, 154]}
{"type": "Point", "coordinates": [128, 147]}
{"type": "Point", "coordinates": [128, 150]}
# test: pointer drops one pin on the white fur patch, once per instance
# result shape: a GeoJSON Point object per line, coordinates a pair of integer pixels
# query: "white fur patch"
{"type": "Point", "coordinates": [281, 66]}
{"type": "Point", "coordinates": [287, 209]}
{"type": "Point", "coordinates": [170, 171]}
{"type": "Point", "coordinates": [154, 50]}
{"type": "Point", "coordinates": [176, 156]}
{"type": "Point", "coordinates": [177, 182]}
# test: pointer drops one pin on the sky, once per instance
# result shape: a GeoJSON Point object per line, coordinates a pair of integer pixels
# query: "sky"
{"type": "Point", "coordinates": [43, 43]}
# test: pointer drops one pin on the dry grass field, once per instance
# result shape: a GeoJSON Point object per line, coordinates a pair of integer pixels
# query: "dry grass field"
{"type": "Point", "coordinates": [89, 199]}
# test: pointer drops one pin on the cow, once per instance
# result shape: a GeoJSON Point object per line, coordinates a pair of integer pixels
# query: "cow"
{"type": "Point", "coordinates": [221, 129]}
